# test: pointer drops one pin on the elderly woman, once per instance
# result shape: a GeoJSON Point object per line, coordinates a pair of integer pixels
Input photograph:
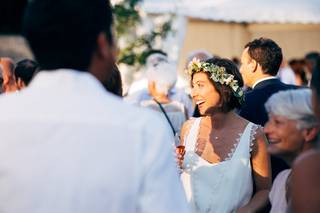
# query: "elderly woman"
{"type": "Point", "coordinates": [162, 77]}
{"type": "Point", "coordinates": [291, 130]}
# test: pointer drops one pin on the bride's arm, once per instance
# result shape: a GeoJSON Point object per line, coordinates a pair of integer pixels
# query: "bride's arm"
{"type": "Point", "coordinates": [261, 168]}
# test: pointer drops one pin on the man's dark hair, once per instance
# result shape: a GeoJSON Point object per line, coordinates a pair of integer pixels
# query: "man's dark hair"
{"type": "Point", "coordinates": [228, 100]}
{"type": "Point", "coordinates": [114, 85]}
{"type": "Point", "coordinates": [312, 58]}
{"type": "Point", "coordinates": [63, 33]}
{"type": "Point", "coordinates": [25, 70]}
{"type": "Point", "coordinates": [315, 80]}
{"type": "Point", "coordinates": [266, 53]}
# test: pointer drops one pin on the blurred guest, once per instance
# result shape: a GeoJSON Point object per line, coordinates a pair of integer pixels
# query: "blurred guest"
{"type": "Point", "coordinates": [160, 81]}
{"type": "Point", "coordinates": [297, 65]}
{"type": "Point", "coordinates": [291, 130]}
{"type": "Point", "coordinates": [61, 149]}
{"type": "Point", "coordinates": [311, 60]}
{"type": "Point", "coordinates": [305, 187]}
{"type": "Point", "coordinates": [174, 93]}
{"type": "Point", "coordinates": [236, 61]}
{"type": "Point", "coordinates": [114, 85]}
{"type": "Point", "coordinates": [7, 75]}
{"type": "Point", "coordinates": [24, 71]}
{"type": "Point", "coordinates": [201, 55]}
{"type": "Point", "coordinates": [141, 82]}
{"type": "Point", "coordinates": [286, 74]}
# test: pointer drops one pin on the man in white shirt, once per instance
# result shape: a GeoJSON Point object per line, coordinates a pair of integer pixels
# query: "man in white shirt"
{"type": "Point", "coordinates": [69, 146]}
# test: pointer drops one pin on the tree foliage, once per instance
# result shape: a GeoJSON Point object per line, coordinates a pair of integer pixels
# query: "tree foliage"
{"type": "Point", "coordinates": [135, 47]}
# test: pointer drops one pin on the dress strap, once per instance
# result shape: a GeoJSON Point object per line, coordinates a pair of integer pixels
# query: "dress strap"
{"type": "Point", "coordinates": [191, 138]}
{"type": "Point", "coordinates": [253, 133]}
{"type": "Point", "coordinates": [242, 147]}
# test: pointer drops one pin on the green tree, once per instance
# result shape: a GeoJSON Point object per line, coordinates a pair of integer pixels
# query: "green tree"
{"type": "Point", "coordinates": [135, 47]}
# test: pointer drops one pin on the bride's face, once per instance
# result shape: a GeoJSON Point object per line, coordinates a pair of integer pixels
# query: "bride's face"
{"type": "Point", "coordinates": [204, 93]}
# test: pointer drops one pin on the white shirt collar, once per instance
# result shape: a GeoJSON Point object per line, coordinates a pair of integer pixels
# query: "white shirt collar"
{"type": "Point", "coordinates": [64, 80]}
{"type": "Point", "coordinates": [263, 79]}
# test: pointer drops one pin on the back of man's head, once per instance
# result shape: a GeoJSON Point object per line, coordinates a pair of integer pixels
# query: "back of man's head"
{"type": "Point", "coordinates": [25, 70]}
{"type": "Point", "coordinates": [63, 33]}
{"type": "Point", "coordinates": [311, 59]}
{"type": "Point", "coordinates": [266, 53]}
{"type": "Point", "coordinates": [315, 80]}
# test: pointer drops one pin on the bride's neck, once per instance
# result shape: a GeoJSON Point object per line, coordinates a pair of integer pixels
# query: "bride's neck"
{"type": "Point", "coordinates": [219, 119]}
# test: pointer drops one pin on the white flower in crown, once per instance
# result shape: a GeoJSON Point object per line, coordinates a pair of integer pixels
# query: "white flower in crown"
{"type": "Point", "coordinates": [195, 61]}
{"type": "Point", "coordinates": [229, 79]}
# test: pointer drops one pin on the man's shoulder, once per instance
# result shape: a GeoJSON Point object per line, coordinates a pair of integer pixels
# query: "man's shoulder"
{"type": "Point", "coordinates": [268, 88]}
{"type": "Point", "coordinates": [134, 113]}
{"type": "Point", "coordinates": [253, 95]}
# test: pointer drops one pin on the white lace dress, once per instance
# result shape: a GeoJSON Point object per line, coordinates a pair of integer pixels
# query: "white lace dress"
{"type": "Point", "coordinates": [221, 187]}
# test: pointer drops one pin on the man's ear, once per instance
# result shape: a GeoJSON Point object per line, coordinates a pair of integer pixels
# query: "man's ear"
{"type": "Point", "coordinates": [310, 134]}
{"type": "Point", "coordinates": [20, 84]}
{"type": "Point", "coordinates": [105, 49]}
{"type": "Point", "coordinates": [253, 65]}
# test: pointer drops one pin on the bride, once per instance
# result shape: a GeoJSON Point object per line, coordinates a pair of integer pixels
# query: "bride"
{"type": "Point", "coordinates": [224, 153]}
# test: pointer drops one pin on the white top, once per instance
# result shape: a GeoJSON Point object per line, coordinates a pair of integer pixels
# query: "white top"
{"type": "Point", "coordinates": [277, 195]}
{"type": "Point", "coordinates": [175, 111]}
{"type": "Point", "coordinates": [287, 75]}
{"type": "Point", "coordinates": [69, 146]}
{"type": "Point", "coordinates": [221, 187]}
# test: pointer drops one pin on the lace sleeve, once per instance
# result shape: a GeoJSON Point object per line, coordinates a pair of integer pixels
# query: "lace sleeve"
{"type": "Point", "coordinates": [253, 134]}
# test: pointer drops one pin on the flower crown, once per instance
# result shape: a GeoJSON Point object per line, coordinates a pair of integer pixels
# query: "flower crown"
{"type": "Point", "coordinates": [217, 74]}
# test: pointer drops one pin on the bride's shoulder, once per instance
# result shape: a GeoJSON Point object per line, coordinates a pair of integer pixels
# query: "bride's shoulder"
{"type": "Point", "coordinates": [187, 126]}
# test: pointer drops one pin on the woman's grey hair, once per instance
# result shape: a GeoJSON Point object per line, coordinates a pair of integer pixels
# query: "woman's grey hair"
{"type": "Point", "coordinates": [294, 105]}
{"type": "Point", "coordinates": [162, 72]}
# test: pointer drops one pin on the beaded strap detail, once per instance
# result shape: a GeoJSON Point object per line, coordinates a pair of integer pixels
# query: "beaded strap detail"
{"type": "Point", "coordinates": [253, 135]}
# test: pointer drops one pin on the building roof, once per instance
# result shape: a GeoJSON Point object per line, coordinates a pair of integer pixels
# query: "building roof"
{"type": "Point", "coordinates": [250, 11]}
